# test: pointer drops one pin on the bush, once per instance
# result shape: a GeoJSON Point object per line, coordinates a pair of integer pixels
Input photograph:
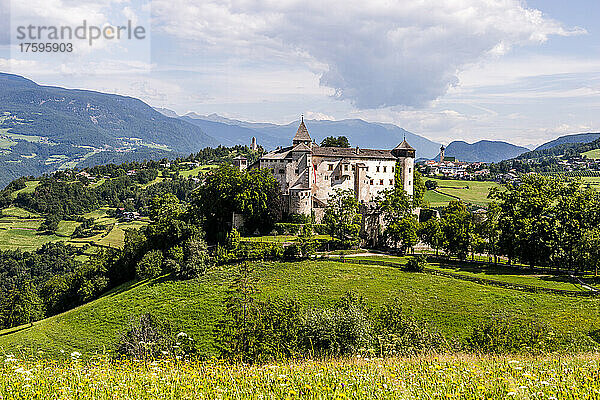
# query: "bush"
{"type": "Point", "coordinates": [431, 185]}
{"type": "Point", "coordinates": [399, 335]}
{"type": "Point", "coordinates": [342, 330]}
{"type": "Point", "coordinates": [149, 337]}
{"type": "Point", "coordinates": [416, 263]}
{"type": "Point", "coordinates": [196, 259]}
{"type": "Point", "coordinates": [150, 266]}
{"type": "Point", "coordinates": [503, 335]}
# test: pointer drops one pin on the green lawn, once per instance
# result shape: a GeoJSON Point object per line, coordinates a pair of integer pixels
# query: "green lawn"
{"type": "Point", "coordinates": [501, 273]}
{"type": "Point", "coordinates": [474, 192]}
{"type": "Point", "coordinates": [436, 199]}
{"type": "Point", "coordinates": [280, 238]}
{"type": "Point", "coordinates": [452, 306]}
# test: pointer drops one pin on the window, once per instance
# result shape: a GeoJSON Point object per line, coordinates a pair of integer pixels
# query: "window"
{"type": "Point", "coordinates": [345, 168]}
{"type": "Point", "coordinates": [371, 181]}
{"type": "Point", "coordinates": [337, 177]}
{"type": "Point", "coordinates": [391, 181]}
{"type": "Point", "coordinates": [409, 169]}
{"type": "Point", "coordinates": [392, 169]}
{"type": "Point", "coordinates": [326, 177]}
{"type": "Point", "coordinates": [378, 168]}
{"type": "Point", "coordinates": [384, 169]}
{"type": "Point", "coordinates": [281, 171]}
{"type": "Point", "coordinates": [367, 169]}
{"type": "Point", "coordinates": [381, 181]}
{"type": "Point", "coordinates": [297, 171]}
{"type": "Point", "coordinates": [330, 167]}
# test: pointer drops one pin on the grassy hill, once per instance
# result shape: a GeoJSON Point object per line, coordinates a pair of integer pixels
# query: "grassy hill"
{"type": "Point", "coordinates": [452, 306]}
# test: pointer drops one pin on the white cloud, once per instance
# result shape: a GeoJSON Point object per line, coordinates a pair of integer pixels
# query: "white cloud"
{"type": "Point", "coordinates": [373, 53]}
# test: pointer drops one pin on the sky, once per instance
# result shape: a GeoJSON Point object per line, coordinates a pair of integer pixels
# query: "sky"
{"type": "Point", "coordinates": [519, 71]}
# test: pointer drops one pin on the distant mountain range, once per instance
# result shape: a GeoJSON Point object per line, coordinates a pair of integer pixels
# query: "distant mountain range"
{"type": "Point", "coordinates": [576, 138]}
{"type": "Point", "coordinates": [45, 128]}
{"type": "Point", "coordinates": [360, 133]}
{"type": "Point", "coordinates": [482, 151]}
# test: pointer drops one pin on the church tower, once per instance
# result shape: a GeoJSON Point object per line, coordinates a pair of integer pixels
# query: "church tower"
{"type": "Point", "coordinates": [442, 149]}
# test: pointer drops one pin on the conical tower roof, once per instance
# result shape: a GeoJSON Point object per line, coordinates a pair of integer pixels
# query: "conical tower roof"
{"type": "Point", "coordinates": [404, 150]}
{"type": "Point", "coordinates": [302, 134]}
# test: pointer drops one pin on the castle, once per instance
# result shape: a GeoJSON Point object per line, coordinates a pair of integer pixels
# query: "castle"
{"type": "Point", "coordinates": [309, 174]}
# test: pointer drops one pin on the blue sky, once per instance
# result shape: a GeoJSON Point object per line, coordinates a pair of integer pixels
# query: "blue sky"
{"type": "Point", "coordinates": [523, 72]}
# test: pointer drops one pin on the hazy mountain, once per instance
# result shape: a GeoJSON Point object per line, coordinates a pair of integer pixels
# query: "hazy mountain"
{"type": "Point", "coordinates": [359, 132]}
{"type": "Point", "coordinates": [166, 112]}
{"type": "Point", "coordinates": [231, 134]}
{"type": "Point", "coordinates": [44, 128]}
{"type": "Point", "coordinates": [576, 138]}
{"type": "Point", "coordinates": [483, 151]}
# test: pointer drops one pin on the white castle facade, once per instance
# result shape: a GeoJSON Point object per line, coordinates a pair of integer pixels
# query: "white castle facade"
{"type": "Point", "coordinates": [309, 174]}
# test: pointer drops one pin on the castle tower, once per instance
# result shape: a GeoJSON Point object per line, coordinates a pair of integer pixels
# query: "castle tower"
{"type": "Point", "coordinates": [253, 145]}
{"type": "Point", "coordinates": [442, 153]}
{"type": "Point", "coordinates": [302, 136]}
{"type": "Point", "coordinates": [405, 155]}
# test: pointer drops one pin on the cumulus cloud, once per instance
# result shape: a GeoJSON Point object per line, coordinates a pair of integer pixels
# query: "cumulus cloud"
{"type": "Point", "coordinates": [375, 53]}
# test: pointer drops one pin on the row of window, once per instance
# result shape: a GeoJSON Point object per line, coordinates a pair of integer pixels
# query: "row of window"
{"type": "Point", "coordinates": [378, 168]}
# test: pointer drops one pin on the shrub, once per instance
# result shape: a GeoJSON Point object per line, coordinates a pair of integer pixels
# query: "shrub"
{"type": "Point", "coordinates": [431, 185]}
{"type": "Point", "coordinates": [504, 335]}
{"type": "Point", "coordinates": [397, 334]}
{"type": "Point", "coordinates": [416, 263]}
{"type": "Point", "coordinates": [151, 337]}
{"type": "Point", "coordinates": [150, 266]}
{"type": "Point", "coordinates": [342, 330]}
{"type": "Point", "coordinates": [196, 259]}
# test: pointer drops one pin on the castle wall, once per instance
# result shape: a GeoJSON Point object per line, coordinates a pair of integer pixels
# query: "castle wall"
{"type": "Point", "coordinates": [335, 173]}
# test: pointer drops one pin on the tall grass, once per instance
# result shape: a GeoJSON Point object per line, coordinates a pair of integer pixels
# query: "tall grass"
{"type": "Point", "coordinates": [431, 377]}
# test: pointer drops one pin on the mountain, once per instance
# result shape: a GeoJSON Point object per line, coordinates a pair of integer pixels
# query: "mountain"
{"type": "Point", "coordinates": [166, 112]}
{"type": "Point", "coordinates": [483, 151]}
{"type": "Point", "coordinates": [45, 128]}
{"type": "Point", "coordinates": [576, 138]}
{"type": "Point", "coordinates": [360, 133]}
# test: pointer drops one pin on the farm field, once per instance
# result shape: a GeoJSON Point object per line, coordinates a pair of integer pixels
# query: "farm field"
{"type": "Point", "coordinates": [197, 170]}
{"type": "Point", "coordinates": [18, 230]}
{"type": "Point", "coordinates": [29, 188]}
{"type": "Point", "coordinates": [451, 306]}
{"type": "Point", "coordinates": [428, 377]}
{"type": "Point", "coordinates": [595, 154]}
{"type": "Point", "coordinates": [474, 192]}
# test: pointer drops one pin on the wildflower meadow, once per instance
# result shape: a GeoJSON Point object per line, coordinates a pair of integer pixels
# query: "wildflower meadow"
{"type": "Point", "coordinates": [433, 377]}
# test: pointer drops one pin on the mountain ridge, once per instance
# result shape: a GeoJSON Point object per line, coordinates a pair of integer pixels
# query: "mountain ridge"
{"type": "Point", "coordinates": [483, 151]}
